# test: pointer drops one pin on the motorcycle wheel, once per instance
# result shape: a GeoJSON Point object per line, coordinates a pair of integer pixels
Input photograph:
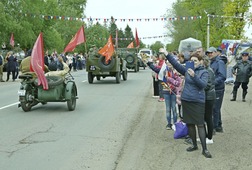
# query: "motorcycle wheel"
{"type": "Point", "coordinates": [25, 103]}
{"type": "Point", "coordinates": [26, 106]}
{"type": "Point", "coordinates": [71, 104]}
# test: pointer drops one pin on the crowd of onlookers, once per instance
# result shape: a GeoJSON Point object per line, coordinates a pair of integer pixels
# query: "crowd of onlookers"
{"type": "Point", "coordinates": [193, 86]}
{"type": "Point", "coordinates": [11, 64]}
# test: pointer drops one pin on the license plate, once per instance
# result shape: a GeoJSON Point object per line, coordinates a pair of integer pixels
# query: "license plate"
{"type": "Point", "coordinates": [92, 68]}
{"type": "Point", "coordinates": [21, 92]}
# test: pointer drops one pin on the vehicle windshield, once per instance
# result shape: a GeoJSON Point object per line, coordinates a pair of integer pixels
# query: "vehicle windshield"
{"type": "Point", "coordinates": [146, 52]}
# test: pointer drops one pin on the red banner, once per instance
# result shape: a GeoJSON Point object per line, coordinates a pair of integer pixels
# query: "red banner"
{"type": "Point", "coordinates": [12, 42]}
{"type": "Point", "coordinates": [137, 40]}
{"type": "Point", "coordinates": [131, 45]}
{"type": "Point", "coordinates": [76, 40]}
{"type": "Point", "coordinates": [107, 50]}
{"type": "Point", "coordinates": [37, 61]}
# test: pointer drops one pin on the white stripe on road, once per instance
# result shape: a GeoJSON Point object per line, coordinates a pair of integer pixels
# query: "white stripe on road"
{"type": "Point", "coordinates": [4, 107]}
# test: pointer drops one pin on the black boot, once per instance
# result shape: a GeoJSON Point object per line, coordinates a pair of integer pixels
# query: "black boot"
{"type": "Point", "coordinates": [234, 96]}
{"type": "Point", "coordinates": [244, 93]}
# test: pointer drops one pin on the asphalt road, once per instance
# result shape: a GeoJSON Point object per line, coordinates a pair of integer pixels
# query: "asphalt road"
{"type": "Point", "coordinates": [114, 127]}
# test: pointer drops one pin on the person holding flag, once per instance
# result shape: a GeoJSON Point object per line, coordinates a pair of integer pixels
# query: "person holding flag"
{"type": "Point", "coordinates": [170, 80]}
{"type": "Point", "coordinates": [193, 98]}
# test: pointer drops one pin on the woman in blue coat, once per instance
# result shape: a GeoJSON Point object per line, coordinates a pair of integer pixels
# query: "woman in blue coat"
{"type": "Point", "coordinates": [193, 98]}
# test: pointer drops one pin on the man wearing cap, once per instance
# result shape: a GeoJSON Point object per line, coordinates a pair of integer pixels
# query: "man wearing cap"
{"type": "Point", "coordinates": [220, 72]}
{"type": "Point", "coordinates": [243, 71]}
{"type": "Point", "coordinates": [221, 56]}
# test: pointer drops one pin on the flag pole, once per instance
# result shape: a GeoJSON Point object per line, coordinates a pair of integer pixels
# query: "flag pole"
{"type": "Point", "coordinates": [85, 43]}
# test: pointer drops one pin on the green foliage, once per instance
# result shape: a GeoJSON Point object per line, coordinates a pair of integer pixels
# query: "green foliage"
{"type": "Point", "coordinates": [220, 27]}
{"type": "Point", "coordinates": [156, 46]}
{"type": "Point", "coordinates": [24, 19]}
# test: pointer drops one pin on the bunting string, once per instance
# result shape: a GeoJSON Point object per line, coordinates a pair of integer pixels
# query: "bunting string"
{"type": "Point", "coordinates": [161, 36]}
{"type": "Point", "coordinates": [221, 16]}
{"type": "Point", "coordinates": [179, 18]}
{"type": "Point", "coordinates": [51, 17]}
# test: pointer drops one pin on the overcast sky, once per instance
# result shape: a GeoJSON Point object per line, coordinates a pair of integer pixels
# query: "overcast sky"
{"type": "Point", "coordinates": [135, 9]}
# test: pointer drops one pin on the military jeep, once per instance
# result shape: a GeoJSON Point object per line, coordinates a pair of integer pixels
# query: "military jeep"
{"type": "Point", "coordinates": [130, 56]}
{"type": "Point", "coordinates": [96, 66]}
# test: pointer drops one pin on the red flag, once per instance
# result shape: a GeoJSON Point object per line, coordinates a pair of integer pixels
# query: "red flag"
{"type": "Point", "coordinates": [131, 45]}
{"type": "Point", "coordinates": [137, 40]}
{"type": "Point", "coordinates": [107, 50]}
{"type": "Point", "coordinates": [37, 61]}
{"type": "Point", "coordinates": [12, 42]}
{"type": "Point", "coordinates": [76, 40]}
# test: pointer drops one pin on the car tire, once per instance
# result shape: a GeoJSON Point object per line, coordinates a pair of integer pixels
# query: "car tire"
{"type": "Point", "coordinates": [118, 77]}
{"type": "Point", "coordinates": [104, 65]}
{"type": "Point", "coordinates": [130, 59]}
{"type": "Point", "coordinates": [90, 78]}
{"type": "Point", "coordinates": [125, 75]}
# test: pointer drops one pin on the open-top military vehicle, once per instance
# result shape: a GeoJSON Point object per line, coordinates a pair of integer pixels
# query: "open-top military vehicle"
{"type": "Point", "coordinates": [61, 89]}
{"type": "Point", "coordinates": [130, 56]}
{"type": "Point", "coordinates": [96, 66]}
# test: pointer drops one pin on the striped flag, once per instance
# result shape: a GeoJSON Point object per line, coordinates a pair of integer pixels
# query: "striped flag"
{"type": "Point", "coordinates": [162, 71]}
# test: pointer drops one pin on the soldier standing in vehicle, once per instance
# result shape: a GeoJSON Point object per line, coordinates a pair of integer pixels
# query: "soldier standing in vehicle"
{"type": "Point", "coordinates": [243, 71]}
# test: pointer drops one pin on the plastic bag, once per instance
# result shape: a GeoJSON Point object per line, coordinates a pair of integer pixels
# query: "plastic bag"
{"type": "Point", "coordinates": [181, 130]}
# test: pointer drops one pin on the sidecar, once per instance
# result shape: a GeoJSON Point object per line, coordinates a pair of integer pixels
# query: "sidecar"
{"type": "Point", "coordinates": [61, 89]}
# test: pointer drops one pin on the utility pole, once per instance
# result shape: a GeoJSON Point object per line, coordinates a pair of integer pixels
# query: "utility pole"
{"type": "Point", "coordinates": [208, 28]}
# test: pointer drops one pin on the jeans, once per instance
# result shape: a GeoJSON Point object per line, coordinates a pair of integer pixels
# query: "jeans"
{"type": "Point", "coordinates": [170, 104]}
{"type": "Point", "coordinates": [217, 109]}
{"type": "Point", "coordinates": [160, 89]}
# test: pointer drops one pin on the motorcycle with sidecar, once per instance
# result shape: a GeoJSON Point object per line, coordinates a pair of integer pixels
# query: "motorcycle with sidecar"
{"type": "Point", "coordinates": [61, 89]}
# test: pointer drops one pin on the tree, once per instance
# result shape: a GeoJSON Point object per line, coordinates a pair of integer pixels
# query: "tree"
{"type": "Point", "coordinates": [156, 46]}
{"type": "Point", "coordinates": [220, 27]}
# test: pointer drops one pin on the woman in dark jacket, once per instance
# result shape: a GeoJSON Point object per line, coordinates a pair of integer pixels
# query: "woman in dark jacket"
{"type": "Point", "coordinates": [11, 66]}
{"type": "Point", "coordinates": [193, 99]}
{"type": "Point", "coordinates": [210, 98]}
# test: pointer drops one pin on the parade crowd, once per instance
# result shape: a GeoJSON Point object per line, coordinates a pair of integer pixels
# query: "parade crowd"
{"type": "Point", "coordinates": [12, 66]}
{"type": "Point", "coordinates": [192, 88]}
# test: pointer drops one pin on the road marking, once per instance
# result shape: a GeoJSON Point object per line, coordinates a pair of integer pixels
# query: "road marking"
{"type": "Point", "coordinates": [84, 81]}
{"type": "Point", "coordinates": [4, 107]}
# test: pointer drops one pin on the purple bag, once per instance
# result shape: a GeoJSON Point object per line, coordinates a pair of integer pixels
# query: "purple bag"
{"type": "Point", "coordinates": [181, 130]}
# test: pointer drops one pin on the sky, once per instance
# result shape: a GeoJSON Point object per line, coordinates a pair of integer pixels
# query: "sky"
{"type": "Point", "coordinates": [135, 9]}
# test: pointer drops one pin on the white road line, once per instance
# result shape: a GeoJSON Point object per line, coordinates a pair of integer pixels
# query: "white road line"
{"type": "Point", "coordinates": [84, 81]}
{"type": "Point", "coordinates": [4, 107]}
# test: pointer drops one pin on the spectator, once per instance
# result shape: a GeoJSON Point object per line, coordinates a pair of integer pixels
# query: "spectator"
{"type": "Point", "coordinates": [243, 71]}
{"type": "Point", "coordinates": [46, 59]}
{"type": "Point", "coordinates": [161, 60]}
{"type": "Point", "coordinates": [210, 98]}
{"type": "Point", "coordinates": [53, 64]}
{"type": "Point", "coordinates": [221, 56]}
{"type": "Point", "coordinates": [171, 81]}
{"type": "Point", "coordinates": [1, 67]}
{"type": "Point", "coordinates": [11, 66]}
{"type": "Point", "coordinates": [220, 72]}
{"type": "Point", "coordinates": [155, 79]}
{"type": "Point", "coordinates": [193, 99]}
